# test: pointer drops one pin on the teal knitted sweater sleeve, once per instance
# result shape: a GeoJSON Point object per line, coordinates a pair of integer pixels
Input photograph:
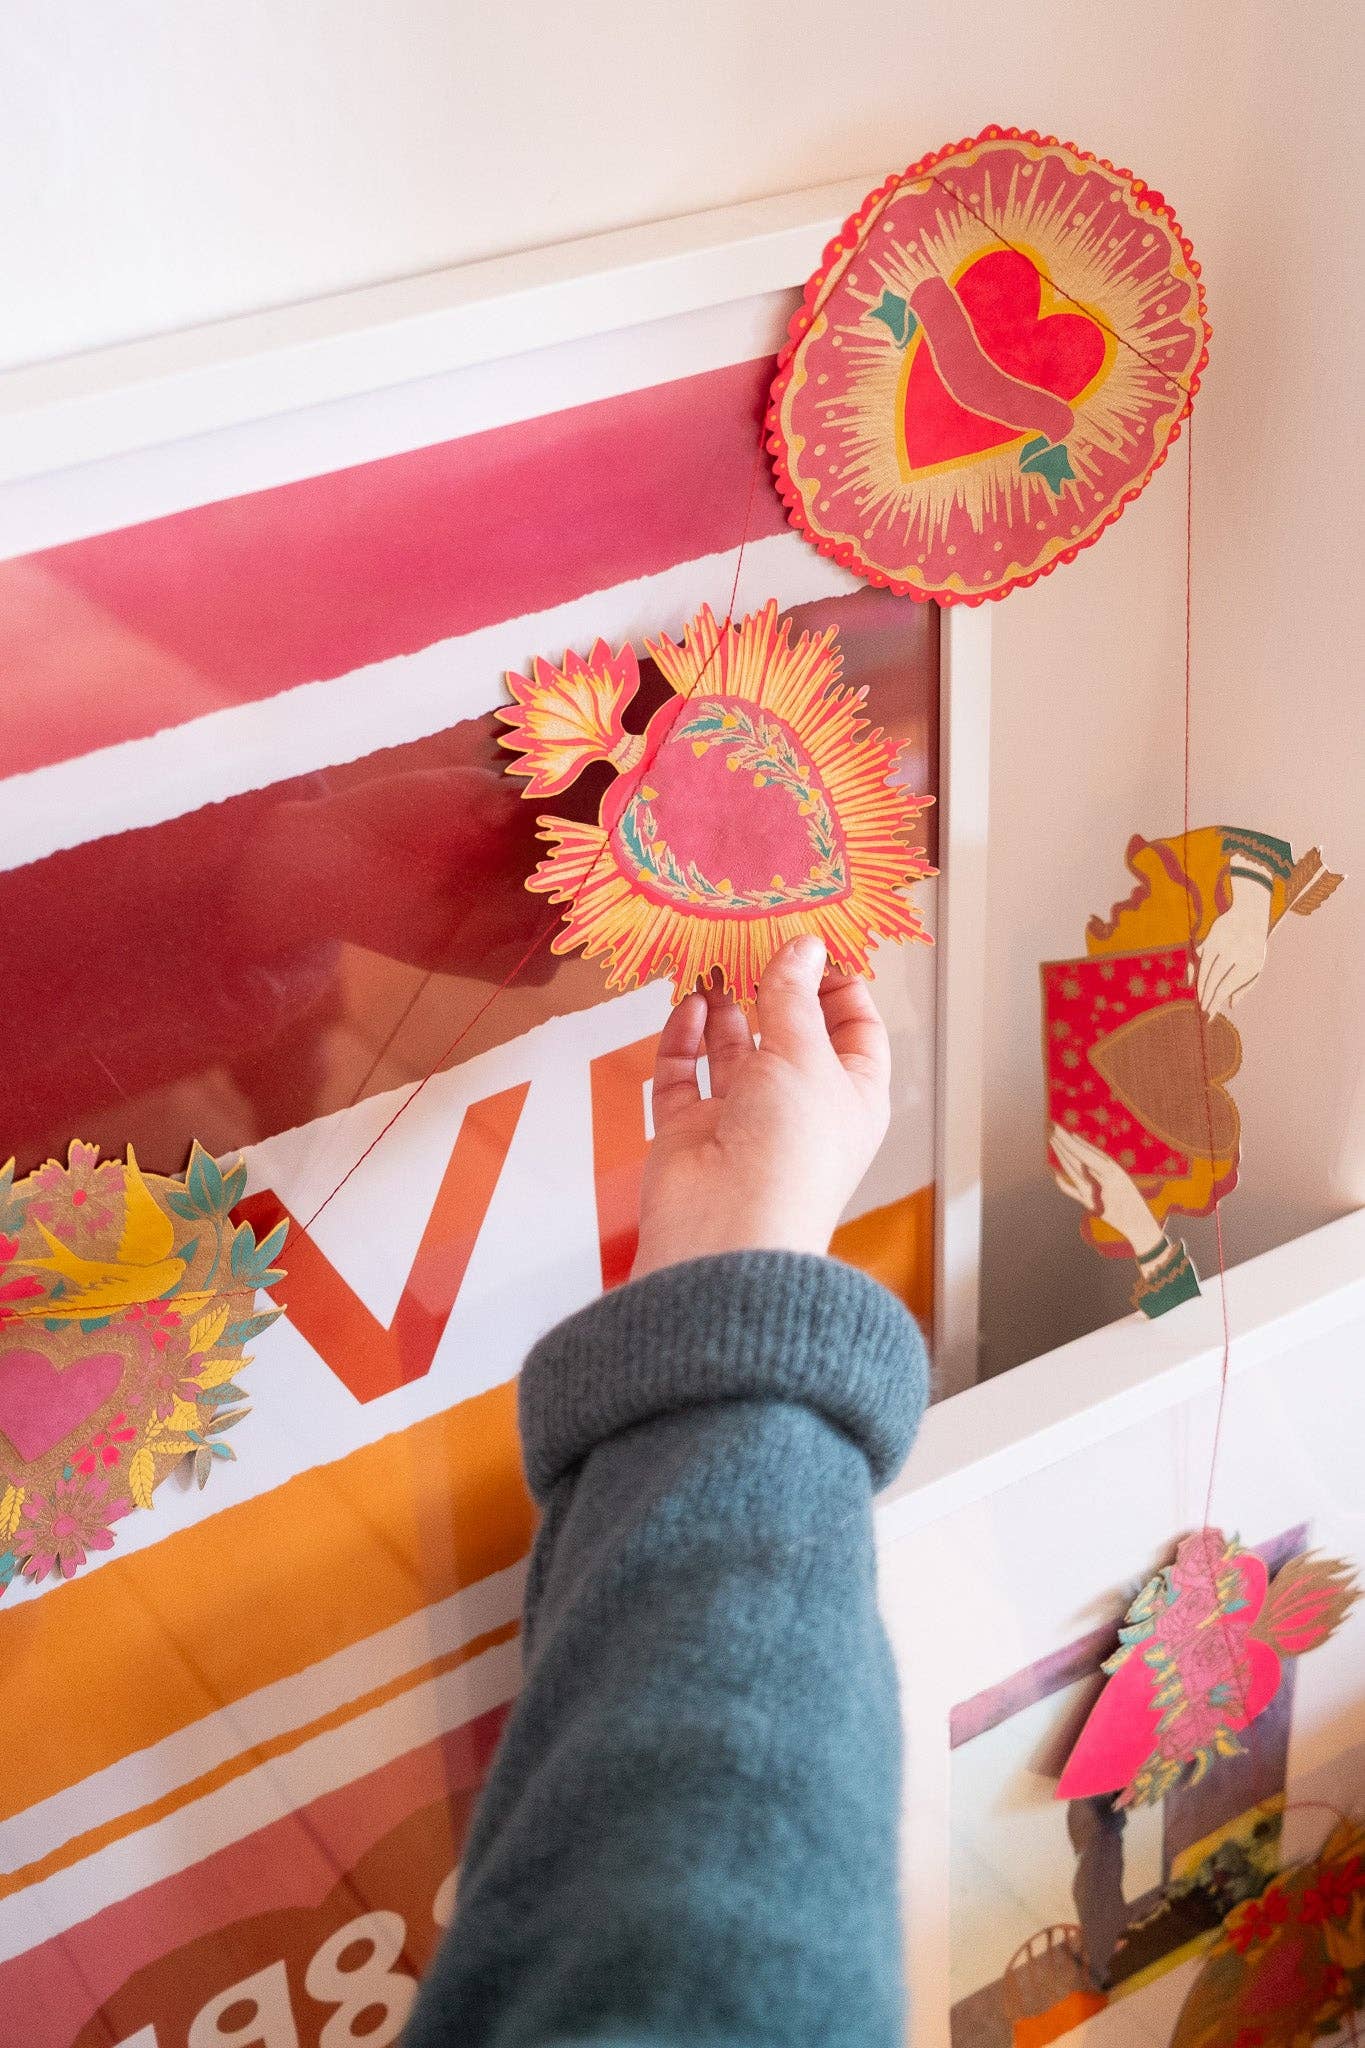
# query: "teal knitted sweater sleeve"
{"type": "Point", "coordinates": [690, 1832]}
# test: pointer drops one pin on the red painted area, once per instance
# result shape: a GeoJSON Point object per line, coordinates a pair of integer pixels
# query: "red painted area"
{"type": "Point", "coordinates": [690, 792]}
{"type": "Point", "coordinates": [990, 324]}
{"type": "Point", "coordinates": [243, 969]}
{"type": "Point", "coordinates": [115, 637]}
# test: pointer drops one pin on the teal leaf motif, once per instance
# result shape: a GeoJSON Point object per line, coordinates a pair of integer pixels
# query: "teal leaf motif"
{"type": "Point", "coordinates": [1052, 464]}
{"type": "Point", "coordinates": [894, 313]}
{"type": "Point", "coordinates": [252, 1262]}
{"type": "Point", "coordinates": [242, 1331]}
{"type": "Point", "coordinates": [13, 1208]}
{"type": "Point", "coordinates": [204, 1182]}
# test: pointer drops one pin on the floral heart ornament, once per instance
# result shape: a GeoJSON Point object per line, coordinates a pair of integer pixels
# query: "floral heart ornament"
{"type": "Point", "coordinates": [992, 360]}
{"type": "Point", "coordinates": [755, 806]}
{"type": "Point", "coordinates": [1200, 1656]}
{"type": "Point", "coordinates": [126, 1303]}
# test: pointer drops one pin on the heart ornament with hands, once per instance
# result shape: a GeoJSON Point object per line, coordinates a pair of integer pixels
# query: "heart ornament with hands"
{"type": "Point", "coordinates": [1139, 1047]}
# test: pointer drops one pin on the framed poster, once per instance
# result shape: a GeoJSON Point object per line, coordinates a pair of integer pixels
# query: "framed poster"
{"type": "Point", "coordinates": [259, 592]}
{"type": "Point", "coordinates": [1033, 1512]}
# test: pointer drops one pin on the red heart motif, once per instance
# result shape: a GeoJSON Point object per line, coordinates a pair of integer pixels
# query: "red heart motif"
{"type": "Point", "coordinates": [39, 1405]}
{"type": "Point", "coordinates": [1001, 294]}
{"type": "Point", "coordinates": [711, 811]}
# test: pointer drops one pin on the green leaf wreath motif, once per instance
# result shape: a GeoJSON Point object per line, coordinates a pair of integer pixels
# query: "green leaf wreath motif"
{"type": "Point", "coordinates": [766, 752]}
{"type": "Point", "coordinates": [13, 1208]}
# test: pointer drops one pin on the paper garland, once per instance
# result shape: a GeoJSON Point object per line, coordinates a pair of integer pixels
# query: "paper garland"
{"type": "Point", "coordinates": [126, 1301]}
{"type": "Point", "coordinates": [1141, 1121]}
{"type": "Point", "coordinates": [1200, 1656]}
{"type": "Point", "coordinates": [756, 805]}
{"type": "Point", "coordinates": [991, 362]}
{"type": "Point", "coordinates": [1288, 1967]}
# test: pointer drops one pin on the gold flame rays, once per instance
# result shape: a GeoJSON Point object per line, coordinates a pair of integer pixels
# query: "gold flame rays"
{"type": "Point", "coordinates": [757, 662]}
{"type": "Point", "coordinates": [1096, 250]}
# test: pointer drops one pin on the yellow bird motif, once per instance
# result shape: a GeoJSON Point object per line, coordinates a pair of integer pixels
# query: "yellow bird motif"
{"type": "Point", "coordinates": [143, 1271]}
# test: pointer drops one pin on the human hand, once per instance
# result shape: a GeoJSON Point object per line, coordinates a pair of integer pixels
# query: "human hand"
{"type": "Point", "coordinates": [1234, 948]}
{"type": "Point", "coordinates": [1103, 1187]}
{"type": "Point", "coordinates": [769, 1160]}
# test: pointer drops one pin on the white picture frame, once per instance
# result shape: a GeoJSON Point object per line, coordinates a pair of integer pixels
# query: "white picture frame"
{"type": "Point", "coordinates": [1035, 1505]}
{"type": "Point", "coordinates": [152, 427]}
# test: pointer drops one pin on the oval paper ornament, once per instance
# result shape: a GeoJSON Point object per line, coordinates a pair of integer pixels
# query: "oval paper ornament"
{"type": "Point", "coordinates": [995, 355]}
{"type": "Point", "coordinates": [756, 805]}
{"type": "Point", "coordinates": [126, 1303]}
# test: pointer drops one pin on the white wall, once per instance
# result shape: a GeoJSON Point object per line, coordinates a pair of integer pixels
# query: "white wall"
{"type": "Point", "coordinates": [165, 165]}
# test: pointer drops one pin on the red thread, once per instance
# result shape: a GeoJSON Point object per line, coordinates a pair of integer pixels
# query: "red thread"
{"type": "Point", "coordinates": [1226, 1362]}
{"type": "Point", "coordinates": [1185, 390]}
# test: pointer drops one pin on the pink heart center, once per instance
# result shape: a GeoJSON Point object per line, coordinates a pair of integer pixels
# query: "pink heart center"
{"type": "Point", "coordinates": [40, 1405]}
{"type": "Point", "coordinates": [732, 817]}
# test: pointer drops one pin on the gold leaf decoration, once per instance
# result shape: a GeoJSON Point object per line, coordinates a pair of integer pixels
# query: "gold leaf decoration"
{"type": "Point", "coordinates": [141, 1477]}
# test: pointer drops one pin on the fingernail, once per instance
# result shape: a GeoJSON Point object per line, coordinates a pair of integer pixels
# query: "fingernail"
{"type": "Point", "coordinates": [808, 955]}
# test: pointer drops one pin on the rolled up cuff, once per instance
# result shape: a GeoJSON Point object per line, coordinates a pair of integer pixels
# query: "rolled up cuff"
{"type": "Point", "coordinates": [747, 1326]}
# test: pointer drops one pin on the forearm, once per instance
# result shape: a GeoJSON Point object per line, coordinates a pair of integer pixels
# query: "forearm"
{"type": "Point", "coordinates": [690, 1831]}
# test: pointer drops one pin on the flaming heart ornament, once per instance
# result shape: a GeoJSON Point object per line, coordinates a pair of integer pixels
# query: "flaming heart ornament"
{"type": "Point", "coordinates": [992, 360]}
{"type": "Point", "coordinates": [755, 806]}
{"type": "Point", "coordinates": [1200, 1656]}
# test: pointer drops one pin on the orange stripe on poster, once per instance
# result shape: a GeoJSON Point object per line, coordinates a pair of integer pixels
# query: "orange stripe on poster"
{"type": "Point", "coordinates": [895, 1245]}
{"type": "Point", "coordinates": [156, 1639]}
{"type": "Point", "coordinates": [81, 1846]}
{"type": "Point", "coordinates": [128, 1654]}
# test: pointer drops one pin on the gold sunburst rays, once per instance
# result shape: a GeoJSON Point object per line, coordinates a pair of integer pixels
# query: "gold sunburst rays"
{"type": "Point", "coordinates": [756, 665]}
{"type": "Point", "coordinates": [972, 525]}
{"type": "Point", "coordinates": [1087, 258]}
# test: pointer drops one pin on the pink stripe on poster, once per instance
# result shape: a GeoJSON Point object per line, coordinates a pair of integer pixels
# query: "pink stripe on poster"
{"type": "Point", "coordinates": [384, 1843]}
{"type": "Point", "coordinates": [118, 636]}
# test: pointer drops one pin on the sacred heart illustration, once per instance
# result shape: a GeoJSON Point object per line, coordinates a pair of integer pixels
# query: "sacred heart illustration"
{"type": "Point", "coordinates": [1200, 1656]}
{"type": "Point", "coordinates": [1139, 1049]}
{"type": "Point", "coordinates": [991, 362]}
{"type": "Point", "coordinates": [1126, 1070]}
{"type": "Point", "coordinates": [756, 805]}
{"type": "Point", "coordinates": [991, 321]}
{"type": "Point", "coordinates": [1286, 1968]}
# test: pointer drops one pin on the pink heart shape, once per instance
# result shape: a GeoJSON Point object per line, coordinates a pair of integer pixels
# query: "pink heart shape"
{"type": "Point", "coordinates": [40, 1405]}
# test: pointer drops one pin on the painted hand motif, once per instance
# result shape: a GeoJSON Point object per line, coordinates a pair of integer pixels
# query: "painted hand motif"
{"type": "Point", "coordinates": [1234, 950]}
{"type": "Point", "coordinates": [1103, 1187]}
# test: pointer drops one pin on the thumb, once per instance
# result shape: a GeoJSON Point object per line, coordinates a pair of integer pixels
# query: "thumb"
{"type": "Point", "coordinates": [790, 1020]}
